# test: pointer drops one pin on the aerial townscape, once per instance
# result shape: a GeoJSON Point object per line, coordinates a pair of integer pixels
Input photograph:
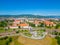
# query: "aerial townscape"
{"type": "Point", "coordinates": [29, 22]}
{"type": "Point", "coordinates": [29, 30]}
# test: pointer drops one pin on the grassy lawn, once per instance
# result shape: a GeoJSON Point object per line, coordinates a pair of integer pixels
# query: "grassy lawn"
{"type": "Point", "coordinates": [5, 41]}
{"type": "Point", "coordinates": [39, 32]}
{"type": "Point", "coordinates": [19, 40]}
{"type": "Point", "coordinates": [46, 41]}
{"type": "Point", "coordinates": [54, 42]}
{"type": "Point", "coordinates": [24, 31]}
{"type": "Point", "coordinates": [28, 34]}
{"type": "Point", "coordinates": [14, 41]}
{"type": "Point", "coordinates": [2, 42]}
{"type": "Point", "coordinates": [17, 43]}
{"type": "Point", "coordinates": [3, 30]}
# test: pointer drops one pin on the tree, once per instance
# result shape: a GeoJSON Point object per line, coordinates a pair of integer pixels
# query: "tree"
{"type": "Point", "coordinates": [19, 27]}
{"type": "Point", "coordinates": [3, 23]}
{"type": "Point", "coordinates": [58, 39]}
{"type": "Point", "coordinates": [55, 33]}
{"type": "Point", "coordinates": [10, 39]}
{"type": "Point", "coordinates": [42, 25]}
{"type": "Point", "coordinates": [5, 37]}
{"type": "Point", "coordinates": [59, 33]}
{"type": "Point", "coordinates": [17, 31]}
{"type": "Point", "coordinates": [32, 25]}
{"type": "Point", "coordinates": [57, 26]}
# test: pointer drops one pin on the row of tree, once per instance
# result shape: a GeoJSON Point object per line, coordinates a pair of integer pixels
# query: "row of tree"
{"type": "Point", "coordinates": [58, 39]}
{"type": "Point", "coordinates": [8, 40]}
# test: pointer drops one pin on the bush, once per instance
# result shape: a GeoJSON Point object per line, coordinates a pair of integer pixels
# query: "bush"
{"type": "Point", "coordinates": [42, 25]}
{"type": "Point", "coordinates": [4, 38]}
{"type": "Point", "coordinates": [3, 23]}
{"type": "Point", "coordinates": [58, 40]}
{"type": "Point", "coordinates": [57, 26]}
{"type": "Point", "coordinates": [17, 31]}
{"type": "Point", "coordinates": [59, 33]}
{"type": "Point", "coordinates": [10, 39]}
{"type": "Point", "coordinates": [32, 25]}
{"type": "Point", "coordinates": [55, 33]}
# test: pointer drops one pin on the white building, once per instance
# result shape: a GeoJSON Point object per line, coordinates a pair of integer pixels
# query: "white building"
{"type": "Point", "coordinates": [13, 27]}
{"type": "Point", "coordinates": [23, 25]}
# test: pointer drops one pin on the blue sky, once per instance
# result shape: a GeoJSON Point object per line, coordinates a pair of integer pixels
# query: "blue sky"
{"type": "Point", "coordinates": [42, 7]}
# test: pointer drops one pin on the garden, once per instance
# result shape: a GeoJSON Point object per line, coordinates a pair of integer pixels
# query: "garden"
{"type": "Point", "coordinates": [35, 34]}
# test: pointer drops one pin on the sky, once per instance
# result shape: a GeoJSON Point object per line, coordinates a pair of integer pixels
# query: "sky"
{"type": "Point", "coordinates": [36, 7]}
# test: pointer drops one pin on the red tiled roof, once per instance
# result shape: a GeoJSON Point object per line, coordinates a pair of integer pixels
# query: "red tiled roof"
{"type": "Point", "coordinates": [17, 21]}
{"type": "Point", "coordinates": [24, 24]}
{"type": "Point", "coordinates": [48, 22]}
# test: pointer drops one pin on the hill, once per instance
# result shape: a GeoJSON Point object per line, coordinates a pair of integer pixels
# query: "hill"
{"type": "Point", "coordinates": [29, 16]}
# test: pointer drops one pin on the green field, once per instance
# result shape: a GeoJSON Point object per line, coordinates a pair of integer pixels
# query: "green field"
{"type": "Point", "coordinates": [19, 40]}
{"type": "Point", "coordinates": [8, 41]}
{"type": "Point", "coordinates": [3, 30]}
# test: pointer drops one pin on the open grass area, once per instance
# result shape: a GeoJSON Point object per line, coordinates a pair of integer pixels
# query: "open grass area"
{"type": "Point", "coordinates": [20, 40]}
{"type": "Point", "coordinates": [54, 42]}
{"type": "Point", "coordinates": [5, 40]}
{"type": "Point", "coordinates": [40, 32]}
{"type": "Point", "coordinates": [46, 41]}
{"type": "Point", "coordinates": [2, 42]}
{"type": "Point", "coordinates": [28, 34]}
{"type": "Point", "coordinates": [24, 31]}
{"type": "Point", "coordinates": [3, 30]}
{"type": "Point", "coordinates": [14, 41]}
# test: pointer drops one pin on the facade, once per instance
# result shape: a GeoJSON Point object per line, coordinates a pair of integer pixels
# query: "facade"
{"type": "Point", "coordinates": [36, 23]}
{"type": "Point", "coordinates": [23, 25]}
{"type": "Point", "coordinates": [17, 21]}
{"type": "Point", "coordinates": [48, 23]}
{"type": "Point", "coordinates": [14, 26]}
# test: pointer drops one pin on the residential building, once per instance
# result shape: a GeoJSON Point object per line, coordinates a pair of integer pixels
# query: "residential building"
{"type": "Point", "coordinates": [23, 25]}
{"type": "Point", "coordinates": [48, 23]}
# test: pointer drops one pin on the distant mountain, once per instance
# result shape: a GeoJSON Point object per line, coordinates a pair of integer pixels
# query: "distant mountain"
{"type": "Point", "coordinates": [29, 16]}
